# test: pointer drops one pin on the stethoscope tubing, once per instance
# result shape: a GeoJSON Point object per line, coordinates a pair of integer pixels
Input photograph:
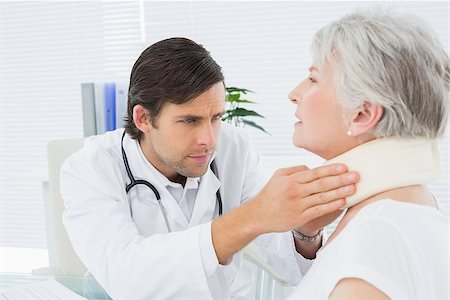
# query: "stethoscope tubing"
{"type": "Point", "coordinates": [135, 182]}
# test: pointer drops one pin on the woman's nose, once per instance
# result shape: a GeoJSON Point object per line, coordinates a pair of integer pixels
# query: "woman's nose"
{"type": "Point", "coordinates": [296, 94]}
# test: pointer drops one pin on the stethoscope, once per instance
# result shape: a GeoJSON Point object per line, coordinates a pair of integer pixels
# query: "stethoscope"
{"type": "Point", "coordinates": [135, 182]}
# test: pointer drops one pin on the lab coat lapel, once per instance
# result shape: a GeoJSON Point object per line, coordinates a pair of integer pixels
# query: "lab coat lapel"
{"type": "Point", "coordinates": [206, 202]}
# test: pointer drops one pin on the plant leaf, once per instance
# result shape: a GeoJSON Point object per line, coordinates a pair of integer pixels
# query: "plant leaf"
{"type": "Point", "coordinates": [242, 112]}
{"type": "Point", "coordinates": [235, 114]}
{"type": "Point", "coordinates": [233, 89]}
{"type": "Point", "coordinates": [244, 101]}
{"type": "Point", "coordinates": [227, 117]}
{"type": "Point", "coordinates": [232, 97]}
{"type": "Point", "coordinates": [253, 124]}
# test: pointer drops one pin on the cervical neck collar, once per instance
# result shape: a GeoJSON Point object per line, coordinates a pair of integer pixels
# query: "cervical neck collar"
{"type": "Point", "coordinates": [389, 163]}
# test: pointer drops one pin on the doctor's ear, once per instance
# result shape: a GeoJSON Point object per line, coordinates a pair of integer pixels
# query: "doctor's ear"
{"type": "Point", "coordinates": [365, 118]}
{"type": "Point", "coordinates": [141, 118]}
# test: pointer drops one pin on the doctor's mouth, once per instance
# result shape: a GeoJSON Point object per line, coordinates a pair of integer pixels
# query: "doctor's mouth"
{"type": "Point", "coordinates": [201, 158]}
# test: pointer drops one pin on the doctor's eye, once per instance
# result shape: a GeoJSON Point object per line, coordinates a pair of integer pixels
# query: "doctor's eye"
{"type": "Point", "coordinates": [190, 120]}
{"type": "Point", "coordinates": [217, 118]}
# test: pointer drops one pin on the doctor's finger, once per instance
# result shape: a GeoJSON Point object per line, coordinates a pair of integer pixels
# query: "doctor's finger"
{"type": "Point", "coordinates": [320, 210]}
{"type": "Point", "coordinates": [320, 172]}
{"type": "Point", "coordinates": [328, 183]}
{"type": "Point", "coordinates": [328, 196]}
{"type": "Point", "coordinates": [291, 170]}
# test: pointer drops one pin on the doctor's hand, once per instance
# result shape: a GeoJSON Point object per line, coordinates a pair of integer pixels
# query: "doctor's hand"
{"type": "Point", "coordinates": [312, 227]}
{"type": "Point", "coordinates": [294, 197]}
{"type": "Point", "coordinates": [304, 199]}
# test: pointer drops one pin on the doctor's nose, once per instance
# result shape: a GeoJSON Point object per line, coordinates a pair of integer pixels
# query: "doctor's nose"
{"type": "Point", "coordinates": [206, 136]}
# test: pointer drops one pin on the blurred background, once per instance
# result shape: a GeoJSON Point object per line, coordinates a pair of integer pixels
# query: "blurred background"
{"type": "Point", "coordinates": [48, 48]}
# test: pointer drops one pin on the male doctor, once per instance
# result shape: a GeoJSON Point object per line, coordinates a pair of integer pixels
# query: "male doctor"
{"type": "Point", "coordinates": [162, 209]}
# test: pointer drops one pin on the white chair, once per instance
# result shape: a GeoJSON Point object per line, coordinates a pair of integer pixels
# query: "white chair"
{"type": "Point", "coordinates": [268, 284]}
{"type": "Point", "coordinates": [62, 258]}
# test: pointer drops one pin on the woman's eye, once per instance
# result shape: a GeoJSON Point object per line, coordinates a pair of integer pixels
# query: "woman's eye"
{"type": "Point", "coordinates": [312, 79]}
{"type": "Point", "coordinates": [189, 121]}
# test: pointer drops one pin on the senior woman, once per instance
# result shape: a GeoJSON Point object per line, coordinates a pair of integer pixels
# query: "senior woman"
{"type": "Point", "coordinates": [377, 98]}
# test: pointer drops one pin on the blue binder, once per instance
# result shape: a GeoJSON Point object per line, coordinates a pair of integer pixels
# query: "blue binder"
{"type": "Point", "coordinates": [110, 106]}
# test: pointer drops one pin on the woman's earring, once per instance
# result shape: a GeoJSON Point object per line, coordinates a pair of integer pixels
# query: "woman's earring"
{"type": "Point", "coordinates": [349, 132]}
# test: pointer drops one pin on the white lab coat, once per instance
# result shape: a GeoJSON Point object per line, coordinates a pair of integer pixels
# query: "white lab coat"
{"type": "Point", "coordinates": [132, 255]}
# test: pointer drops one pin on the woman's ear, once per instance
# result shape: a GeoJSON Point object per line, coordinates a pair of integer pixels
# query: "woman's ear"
{"type": "Point", "coordinates": [141, 118]}
{"type": "Point", "coordinates": [365, 118]}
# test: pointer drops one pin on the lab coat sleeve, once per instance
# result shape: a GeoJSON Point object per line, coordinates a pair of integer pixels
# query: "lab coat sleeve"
{"type": "Point", "coordinates": [209, 257]}
{"type": "Point", "coordinates": [127, 264]}
{"type": "Point", "coordinates": [276, 249]}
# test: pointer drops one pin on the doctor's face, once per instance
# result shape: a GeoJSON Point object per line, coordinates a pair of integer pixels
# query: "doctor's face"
{"type": "Point", "coordinates": [320, 128]}
{"type": "Point", "coordinates": [185, 135]}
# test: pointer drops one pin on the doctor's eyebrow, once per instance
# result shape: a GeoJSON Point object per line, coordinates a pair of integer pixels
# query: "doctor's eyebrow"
{"type": "Point", "coordinates": [197, 117]}
{"type": "Point", "coordinates": [219, 114]}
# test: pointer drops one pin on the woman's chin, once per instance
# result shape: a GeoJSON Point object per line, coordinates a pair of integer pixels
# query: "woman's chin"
{"type": "Point", "coordinates": [301, 145]}
{"type": "Point", "coordinates": [319, 151]}
{"type": "Point", "coordinates": [298, 143]}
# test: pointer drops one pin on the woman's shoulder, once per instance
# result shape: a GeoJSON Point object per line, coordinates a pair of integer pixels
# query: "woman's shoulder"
{"type": "Point", "coordinates": [399, 213]}
{"type": "Point", "coordinates": [395, 218]}
{"type": "Point", "coordinates": [387, 233]}
{"type": "Point", "coordinates": [398, 247]}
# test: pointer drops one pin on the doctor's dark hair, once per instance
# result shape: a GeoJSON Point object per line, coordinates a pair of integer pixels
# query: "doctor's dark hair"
{"type": "Point", "coordinates": [174, 70]}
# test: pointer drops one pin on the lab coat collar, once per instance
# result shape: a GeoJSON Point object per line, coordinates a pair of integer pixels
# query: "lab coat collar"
{"type": "Point", "coordinates": [206, 207]}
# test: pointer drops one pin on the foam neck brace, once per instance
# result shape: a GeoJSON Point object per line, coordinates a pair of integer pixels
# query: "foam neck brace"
{"type": "Point", "coordinates": [389, 163]}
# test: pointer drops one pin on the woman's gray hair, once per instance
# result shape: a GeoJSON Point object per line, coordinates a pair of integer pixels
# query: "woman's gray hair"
{"type": "Point", "coordinates": [395, 61]}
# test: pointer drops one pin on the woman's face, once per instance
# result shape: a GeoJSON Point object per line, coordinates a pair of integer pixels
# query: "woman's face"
{"type": "Point", "coordinates": [321, 128]}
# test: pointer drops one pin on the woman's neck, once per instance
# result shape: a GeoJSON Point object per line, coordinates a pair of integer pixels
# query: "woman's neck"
{"type": "Point", "coordinates": [416, 194]}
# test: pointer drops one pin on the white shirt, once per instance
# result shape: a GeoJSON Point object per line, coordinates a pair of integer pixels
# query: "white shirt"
{"type": "Point", "coordinates": [185, 196]}
{"type": "Point", "coordinates": [400, 248]}
{"type": "Point", "coordinates": [123, 239]}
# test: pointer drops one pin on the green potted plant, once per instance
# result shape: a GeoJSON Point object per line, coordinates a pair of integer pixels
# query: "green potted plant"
{"type": "Point", "coordinates": [237, 115]}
